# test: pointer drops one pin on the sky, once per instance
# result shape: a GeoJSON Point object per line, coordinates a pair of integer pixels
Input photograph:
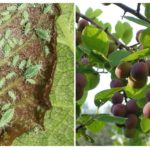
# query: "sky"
{"type": "Point", "coordinates": [110, 14]}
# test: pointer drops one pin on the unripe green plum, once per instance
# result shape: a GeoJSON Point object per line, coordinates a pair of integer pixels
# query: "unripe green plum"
{"type": "Point", "coordinates": [112, 47]}
{"type": "Point", "coordinates": [123, 70]}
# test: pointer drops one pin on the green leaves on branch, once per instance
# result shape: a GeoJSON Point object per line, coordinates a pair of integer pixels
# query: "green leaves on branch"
{"type": "Point", "coordinates": [124, 31]}
{"type": "Point", "coordinates": [105, 95]}
{"type": "Point", "coordinates": [93, 13]}
{"type": "Point", "coordinates": [145, 38]}
{"type": "Point", "coordinates": [145, 124]}
{"type": "Point", "coordinates": [95, 39]}
{"type": "Point", "coordinates": [147, 10]}
{"type": "Point", "coordinates": [138, 21]}
{"type": "Point", "coordinates": [137, 55]}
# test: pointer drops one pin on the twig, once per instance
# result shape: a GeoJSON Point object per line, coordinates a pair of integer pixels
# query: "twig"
{"type": "Point", "coordinates": [132, 11]}
{"type": "Point", "coordinates": [120, 44]}
{"type": "Point", "coordinates": [138, 7]}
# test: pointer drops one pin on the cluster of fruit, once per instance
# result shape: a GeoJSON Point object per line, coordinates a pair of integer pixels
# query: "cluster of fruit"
{"type": "Point", "coordinates": [137, 75]}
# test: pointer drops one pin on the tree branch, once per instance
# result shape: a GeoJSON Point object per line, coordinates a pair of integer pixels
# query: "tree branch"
{"type": "Point", "coordinates": [132, 11]}
{"type": "Point", "coordinates": [120, 44]}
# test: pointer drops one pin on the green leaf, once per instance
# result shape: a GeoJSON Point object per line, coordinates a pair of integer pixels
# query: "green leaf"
{"type": "Point", "coordinates": [119, 28]}
{"type": "Point", "coordinates": [93, 13]}
{"type": "Point", "coordinates": [106, 94]}
{"type": "Point", "coordinates": [145, 37]}
{"type": "Point", "coordinates": [116, 56]}
{"type": "Point", "coordinates": [95, 126]}
{"type": "Point", "coordinates": [147, 10]}
{"type": "Point", "coordinates": [110, 118]}
{"type": "Point", "coordinates": [137, 55]}
{"type": "Point", "coordinates": [138, 21]}
{"type": "Point", "coordinates": [6, 117]}
{"type": "Point", "coordinates": [145, 124]}
{"type": "Point", "coordinates": [95, 39]}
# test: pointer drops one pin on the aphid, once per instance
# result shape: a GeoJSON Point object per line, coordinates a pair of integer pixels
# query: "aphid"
{"type": "Point", "coordinates": [6, 106]}
{"type": "Point", "coordinates": [6, 117]}
{"type": "Point", "coordinates": [14, 40]}
{"type": "Point", "coordinates": [27, 28]}
{"type": "Point", "coordinates": [2, 41]}
{"type": "Point", "coordinates": [29, 63]}
{"type": "Point", "coordinates": [6, 18]}
{"type": "Point", "coordinates": [12, 8]}
{"type": "Point", "coordinates": [32, 71]}
{"type": "Point", "coordinates": [43, 34]}
{"type": "Point", "coordinates": [11, 43]}
{"type": "Point", "coordinates": [31, 81]}
{"type": "Point", "coordinates": [4, 13]}
{"type": "Point", "coordinates": [6, 50]}
{"type": "Point", "coordinates": [46, 50]}
{"type": "Point", "coordinates": [12, 95]}
{"type": "Point", "coordinates": [2, 82]}
{"type": "Point", "coordinates": [23, 21]}
{"type": "Point", "coordinates": [26, 15]}
{"type": "Point", "coordinates": [22, 64]}
{"type": "Point", "coordinates": [15, 60]}
{"type": "Point", "coordinates": [10, 75]}
{"type": "Point", "coordinates": [22, 6]}
{"type": "Point", "coordinates": [7, 33]}
{"type": "Point", "coordinates": [47, 8]}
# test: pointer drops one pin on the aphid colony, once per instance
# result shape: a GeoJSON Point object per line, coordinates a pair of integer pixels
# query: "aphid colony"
{"type": "Point", "coordinates": [9, 44]}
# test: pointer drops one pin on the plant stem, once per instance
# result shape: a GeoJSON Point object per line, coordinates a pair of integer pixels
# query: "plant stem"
{"type": "Point", "coordinates": [132, 11]}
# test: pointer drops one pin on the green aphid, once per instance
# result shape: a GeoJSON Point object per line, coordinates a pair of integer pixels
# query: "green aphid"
{"type": "Point", "coordinates": [6, 117]}
{"type": "Point", "coordinates": [23, 21]}
{"type": "Point", "coordinates": [15, 60]}
{"type": "Point", "coordinates": [12, 8]}
{"type": "Point", "coordinates": [31, 81]}
{"type": "Point", "coordinates": [11, 43]}
{"type": "Point", "coordinates": [6, 106]}
{"type": "Point", "coordinates": [12, 95]}
{"type": "Point", "coordinates": [43, 34]}
{"type": "Point", "coordinates": [26, 15]}
{"type": "Point", "coordinates": [6, 50]}
{"type": "Point", "coordinates": [22, 64]}
{"type": "Point", "coordinates": [48, 8]}
{"type": "Point", "coordinates": [2, 82]}
{"type": "Point", "coordinates": [46, 50]}
{"type": "Point", "coordinates": [7, 33]}
{"type": "Point", "coordinates": [10, 75]}
{"type": "Point", "coordinates": [5, 13]}
{"type": "Point", "coordinates": [14, 40]}
{"type": "Point", "coordinates": [22, 6]}
{"type": "Point", "coordinates": [32, 71]}
{"type": "Point", "coordinates": [27, 28]}
{"type": "Point", "coordinates": [6, 18]}
{"type": "Point", "coordinates": [29, 63]}
{"type": "Point", "coordinates": [2, 42]}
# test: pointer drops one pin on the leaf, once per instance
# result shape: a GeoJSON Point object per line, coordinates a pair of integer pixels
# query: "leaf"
{"type": "Point", "coordinates": [95, 126]}
{"type": "Point", "coordinates": [107, 94]}
{"type": "Point", "coordinates": [93, 13]}
{"type": "Point", "coordinates": [116, 56]}
{"type": "Point", "coordinates": [137, 55]}
{"type": "Point", "coordinates": [110, 118]}
{"type": "Point", "coordinates": [145, 124]}
{"type": "Point", "coordinates": [144, 38]}
{"type": "Point", "coordinates": [6, 117]}
{"type": "Point", "coordinates": [147, 10]}
{"type": "Point", "coordinates": [95, 39]}
{"type": "Point", "coordinates": [138, 21]}
{"type": "Point", "coordinates": [43, 34]}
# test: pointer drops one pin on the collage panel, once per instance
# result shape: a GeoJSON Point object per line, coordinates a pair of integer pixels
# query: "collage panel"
{"type": "Point", "coordinates": [112, 74]}
{"type": "Point", "coordinates": [36, 74]}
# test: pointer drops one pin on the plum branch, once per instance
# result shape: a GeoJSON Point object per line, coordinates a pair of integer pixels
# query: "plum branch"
{"type": "Point", "coordinates": [132, 11]}
{"type": "Point", "coordinates": [119, 43]}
